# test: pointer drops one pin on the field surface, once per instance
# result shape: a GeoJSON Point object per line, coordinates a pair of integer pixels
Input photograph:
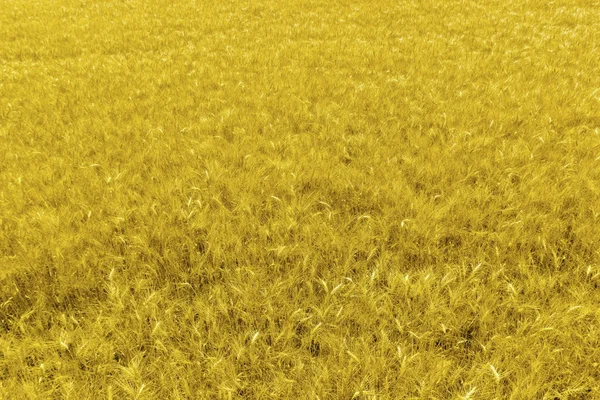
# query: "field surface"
{"type": "Point", "coordinates": [299, 199]}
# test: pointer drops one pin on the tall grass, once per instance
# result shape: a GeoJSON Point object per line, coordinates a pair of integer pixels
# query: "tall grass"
{"type": "Point", "coordinates": [299, 199]}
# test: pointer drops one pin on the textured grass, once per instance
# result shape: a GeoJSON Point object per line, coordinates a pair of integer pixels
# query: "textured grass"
{"type": "Point", "coordinates": [299, 199]}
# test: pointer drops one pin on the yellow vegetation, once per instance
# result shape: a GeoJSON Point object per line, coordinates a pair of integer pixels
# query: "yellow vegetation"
{"type": "Point", "coordinates": [227, 199]}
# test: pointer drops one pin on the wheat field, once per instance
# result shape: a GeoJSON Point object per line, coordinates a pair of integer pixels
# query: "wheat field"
{"type": "Point", "coordinates": [299, 199]}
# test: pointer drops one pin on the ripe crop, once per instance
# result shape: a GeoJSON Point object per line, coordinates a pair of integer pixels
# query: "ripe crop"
{"type": "Point", "coordinates": [299, 199]}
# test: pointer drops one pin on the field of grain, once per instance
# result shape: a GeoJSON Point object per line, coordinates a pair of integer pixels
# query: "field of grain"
{"type": "Point", "coordinates": [234, 199]}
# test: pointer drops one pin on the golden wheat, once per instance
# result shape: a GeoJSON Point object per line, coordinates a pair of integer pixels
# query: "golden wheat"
{"type": "Point", "coordinates": [299, 199]}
